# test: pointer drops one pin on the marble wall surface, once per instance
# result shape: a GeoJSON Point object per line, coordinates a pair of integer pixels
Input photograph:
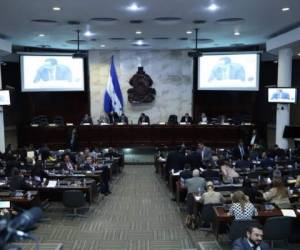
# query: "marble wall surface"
{"type": "Point", "coordinates": [170, 70]}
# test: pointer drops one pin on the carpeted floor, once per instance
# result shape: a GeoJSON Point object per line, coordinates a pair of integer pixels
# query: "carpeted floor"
{"type": "Point", "coordinates": [138, 215]}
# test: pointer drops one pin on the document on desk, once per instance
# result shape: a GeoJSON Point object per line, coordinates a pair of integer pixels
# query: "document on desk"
{"type": "Point", "coordinates": [52, 184]}
{"type": "Point", "coordinates": [288, 212]}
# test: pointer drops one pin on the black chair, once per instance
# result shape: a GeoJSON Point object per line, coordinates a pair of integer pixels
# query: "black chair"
{"type": "Point", "coordinates": [277, 228]}
{"type": "Point", "coordinates": [75, 200]}
{"type": "Point", "coordinates": [173, 120]}
{"type": "Point", "coordinates": [43, 120]}
{"type": "Point", "coordinates": [59, 120]}
{"type": "Point", "coordinates": [238, 228]}
{"type": "Point", "coordinates": [208, 214]}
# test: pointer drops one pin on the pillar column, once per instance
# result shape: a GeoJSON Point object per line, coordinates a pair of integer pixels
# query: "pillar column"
{"type": "Point", "coordinates": [285, 57]}
{"type": "Point", "coordinates": [2, 135]}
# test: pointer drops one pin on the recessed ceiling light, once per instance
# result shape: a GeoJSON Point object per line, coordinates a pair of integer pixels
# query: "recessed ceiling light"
{"type": "Point", "coordinates": [56, 8]}
{"type": "Point", "coordinates": [285, 9]}
{"type": "Point", "coordinates": [41, 35]}
{"type": "Point", "coordinates": [237, 33]}
{"type": "Point", "coordinates": [102, 45]}
{"type": "Point", "coordinates": [138, 32]}
{"type": "Point", "coordinates": [298, 54]}
{"type": "Point", "coordinates": [88, 33]}
{"type": "Point", "coordinates": [139, 42]}
{"type": "Point", "coordinates": [134, 7]}
{"type": "Point", "coordinates": [213, 7]}
{"type": "Point", "coordinates": [189, 32]}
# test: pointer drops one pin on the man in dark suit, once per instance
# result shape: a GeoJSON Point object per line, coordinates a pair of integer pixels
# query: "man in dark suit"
{"type": "Point", "coordinates": [187, 119]}
{"type": "Point", "coordinates": [253, 240]}
{"type": "Point", "coordinates": [175, 160]}
{"type": "Point", "coordinates": [195, 160]}
{"type": "Point", "coordinates": [143, 119]}
{"type": "Point", "coordinates": [17, 181]}
{"type": "Point", "coordinates": [86, 119]}
{"type": "Point", "coordinates": [240, 150]}
{"type": "Point", "coordinates": [206, 154]}
{"type": "Point", "coordinates": [113, 117]}
{"type": "Point", "coordinates": [123, 119]}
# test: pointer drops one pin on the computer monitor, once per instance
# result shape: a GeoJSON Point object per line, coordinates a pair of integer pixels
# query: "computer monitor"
{"type": "Point", "coordinates": [4, 97]}
{"type": "Point", "coordinates": [282, 95]}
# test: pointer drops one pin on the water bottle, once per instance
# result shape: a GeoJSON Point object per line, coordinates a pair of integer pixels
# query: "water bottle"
{"type": "Point", "coordinates": [84, 182]}
{"type": "Point", "coordinates": [58, 182]}
{"type": "Point", "coordinates": [199, 191]}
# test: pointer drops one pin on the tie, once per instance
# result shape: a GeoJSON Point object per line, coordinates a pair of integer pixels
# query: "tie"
{"type": "Point", "coordinates": [242, 151]}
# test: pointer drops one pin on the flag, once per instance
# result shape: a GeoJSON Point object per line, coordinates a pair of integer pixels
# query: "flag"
{"type": "Point", "coordinates": [113, 99]}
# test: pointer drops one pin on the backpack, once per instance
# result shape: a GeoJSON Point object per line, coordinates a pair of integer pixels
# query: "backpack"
{"type": "Point", "coordinates": [191, 222]}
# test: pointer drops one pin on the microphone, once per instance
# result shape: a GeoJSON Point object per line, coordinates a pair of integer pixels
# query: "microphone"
{"type": "Point", "coordinates": [25, 220]}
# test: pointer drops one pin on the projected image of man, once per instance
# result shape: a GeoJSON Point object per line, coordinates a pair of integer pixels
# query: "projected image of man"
{"type": "Point", "coordinates": [52, 71]}
{"type": "Point", "coordinates": [227, 70]}
{"type": "Point", "coordinates": [280, 95]}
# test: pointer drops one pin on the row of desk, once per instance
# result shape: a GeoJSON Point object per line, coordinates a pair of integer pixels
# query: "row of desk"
{"type": "Point", "coordinates": [221, 215]}
{"type": "Point", "coordinates": [134, 135]}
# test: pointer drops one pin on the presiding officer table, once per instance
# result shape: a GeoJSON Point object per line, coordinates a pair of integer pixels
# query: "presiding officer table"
{"type": "Point", "coordinates": [134, 135]}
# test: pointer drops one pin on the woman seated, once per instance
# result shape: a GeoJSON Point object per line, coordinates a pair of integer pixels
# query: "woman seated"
{"type": "Point", "coordinates": [211, 196]}
{"type": "Point", "coordinates": [242, 208]}
{"type": "Point", "coordinates": [228, 172]}
{"type": "Point", "coordinates": [278, 194]}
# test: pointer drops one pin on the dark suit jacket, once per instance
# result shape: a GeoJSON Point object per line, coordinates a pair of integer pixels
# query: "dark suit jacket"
{"type": "Point", "coordinates": [18, 183]}
{"type": "Point", "coordinates": [189, 120]}
{"type": "Point", "coordinates": [236, 153]}
{"type": "Point", "coordinates": [195, 160]}
{"type": "Point", "coordinates": [186, 174]}
{"type": "Point", "coordinates": [242, 164]}
{"type": "Point", "coordinates": [175, 160]}
{"type": "Point", "coordinates": [113, 118]}
{"type": "Point", "coordinates": [146, 119]}
{"type": "Point", "coordinates": [242, 244]}
{"type": "Point", "coordinates": [123, 119]}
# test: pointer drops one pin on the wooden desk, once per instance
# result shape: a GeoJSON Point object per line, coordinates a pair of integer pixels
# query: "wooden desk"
{"type": "Point", "coordinates": [134, 135]}
{"type": "Point", "coordinates": [23, 201]}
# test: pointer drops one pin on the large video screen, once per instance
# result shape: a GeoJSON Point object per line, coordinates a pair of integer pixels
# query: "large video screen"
{"type": "Point", "coordinates": [282, 95]}
{"type": "Point", "coordinates": [52, 73]}
{"type": "Point", "coordinates": [237, 71]}
{"type": "Point", "coordinates": [4, 97]}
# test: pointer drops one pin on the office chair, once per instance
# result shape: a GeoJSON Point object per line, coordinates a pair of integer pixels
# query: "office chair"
{"type": "Point", "coordinates": [75, 200]}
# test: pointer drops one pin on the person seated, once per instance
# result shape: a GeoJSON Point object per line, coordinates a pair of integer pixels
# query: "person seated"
{"type": "Point", "coordinates": [67, 164]}
{"type": "Point", "coordinates": [209, 174]}
{"type": "Point", "coordinates": [86, 119]}
{"type": "Point", "coordinates": [243, 163]}
{"type": "Point", "coordinates": [278, 194]}
{"type": "Point", "coordinates": [143, 119]}
{"type": "Point", "coordinates": [242, 208]}
{"type": "Point", "coordinates": [203, 119]}
{"type": "Point", "coordinates": [123, 119]}
{"type": "Point", "coordinates": [17, 181]}
{"type": "Point", "coordinates": [253, 240]}
{"type": "Point", "coordinates": [277, 153]}
{"type": "Point", "coordinates": [103, 119]}
{"type": "Point", "coordinates": [88, 164]}
{"type": "Point", "coordinates": [228, 172]}
{"type": "Point", "coordinates": [38, 173]}
{"type": "Point", "coordinates": [185, 174]}
{"type": "Point", "coordinates": [172, 120]}
{"type": "Point", "coordinates": [251, 191]}
{"type": "Point", "coordinates": [196, 183]}
{"type": "Point", "coordinates": [111, 153]}
{"type": "Point", "coordinates": [186, 119]}
{"type": "Point", "coordinates": [113, 117]}
{"type": "Point", "coordinates": [266, 161]}
{"type": "Point", "coordinates": [211, 196]}
{"type": "Point", "coordinates": [240, 150]}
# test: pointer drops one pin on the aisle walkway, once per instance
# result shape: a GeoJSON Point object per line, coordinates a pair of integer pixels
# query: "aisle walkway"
{"type": "Point", "coordinates": [138, 215]}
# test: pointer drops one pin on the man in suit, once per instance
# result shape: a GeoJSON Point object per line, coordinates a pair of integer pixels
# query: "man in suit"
{"type": "Point", "coordinates": [143, 119]}
{"type": "Point", "coordinates": [240, 151]}
{"type": "Point", "coordinates": [206, 154]}
{"type": "Point", "coordinates": [187, 119]}
{"type": "Point", "coordinates": [175, 160]}
{"type": "Point", "coordinates": [86, 119]}
{"type": "Point", "coordinates": [194, 159]}
{"type": "Point", "coordinates": [17, 181]}
{"type": "Point", "coordinates": [113, 117]}
{"type": "Point", "coordinates": [123, 119]}
{"type": "Point", "coordinates": [253, 240]}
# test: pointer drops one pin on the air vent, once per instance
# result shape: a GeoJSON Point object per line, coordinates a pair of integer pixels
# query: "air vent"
{"type": "Point", "coordinates": [141, 45]}
{"type": "Point", "coordinates": [204, 40]}
{"type": "Point", "coordinates": [117, 38]}
{"type": "Point", "coordinates": [72, 22]}
{"type": "Point", "coordinates": [230, 20]}
{"type": "Point", "coordinates": [161, 38]}
{"type": "Point", "coordinates": [136, 21]}
{"type": "Point", "coordinates": [45, 21]}
{"type": "Point", "coordinates": [183, 38]}
{"type": "Point", "coordinates": [75, 41]}
{"type": "Point", "coordinates": [199, 21]}
{"type": "Point", "coordinates": [104, 20]}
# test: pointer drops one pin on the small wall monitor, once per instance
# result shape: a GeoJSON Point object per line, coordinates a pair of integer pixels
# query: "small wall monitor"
{"type": "Point", "coordinates": [4, 97]}
{"type": "Point", "coordinates": [282, 95]}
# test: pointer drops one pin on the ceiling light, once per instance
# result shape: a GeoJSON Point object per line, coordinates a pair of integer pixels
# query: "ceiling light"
{"type": "Point", "coordinates": [298, 54]}
{"type": "Point", "coordinates": [88, 33]}
{"type": "Point", "coordinates": [102, 45]}
{"type": "Point", "coordinates": [41, 35]}
{"type": "Point", "coordinates": [237, 33]}
{"type": "Point", "coordinates": [56, 8]}
{"type": "Point", "coordinates": [189, 32]}
{"type": "Point", "coordinates": [138, 32]}
{"type": "Point", "coordinates": [285, 9]}
{"type": "Point", "coordinates": [213, 7]}
{"type": "Point", "coordinates": [139, 42]}
{"type": "Point", "coordinates": [134, 7]}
